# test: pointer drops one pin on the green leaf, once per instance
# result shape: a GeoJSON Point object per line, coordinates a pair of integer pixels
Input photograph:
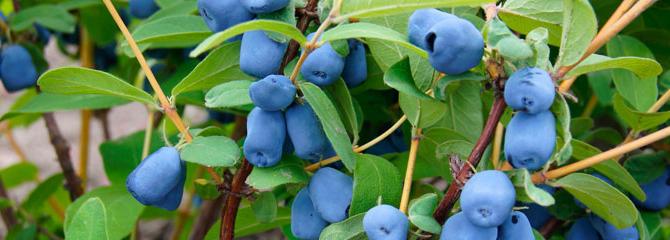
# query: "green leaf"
{"type": "Point", "coordinates": [289, 170]}
{"type": "Point", "coordinates": [579, 28]}
{"type": "Point", "coordinates": [638, 121]}
{"type": "Point", "coordinates": [121, 156]}
{"type": "Point", "coordinates": [349, 229]}
{"type": "Point", "coordinates": [421, 113]}
{"type": "Point", "coordinates": [509, 45]}
{"type": "Point", "coordinates": [580, 125]}
{"type": "Point", "coordinates": [462, 148]}
{"type": "Point", "coordinates": [641, 67]}
{"type": "Point", "coordinates": [601, 83]}
{"type": "Point", "coordinates": [17, 174]}
{"type": "Point", "coordinates": [265, 207]}
{"type": "Point", "coordinates": [212, 151]}
{"type": "Point", "coordinates": [50, 16]}
{"type": "Point", "coordinates": [645, 167]}
{"type": "Point", "coordinates": [247, 224]}
{"type": "Point", "coordinates": [5, 203]}
{"type": "Point", "coordinates": [89, 222]}
{"type": "Point", "coordinates": [537, 39]}
{"type": "Point", "coordinates": [78, 80]}
{"type": "Point", "coordinates": [206, 189]}
{"type": "Point", "coordinates": [399, 77]}
{"type": "Point", "coordinates": [641, 93]}
{"type": "Point", "coordinates": [229, 94]}
{"type": "Point", "coordinates": [49, 102]}
{"type": "Point", "coordinates": [561, 111]}
{"type": "Point", "coordinates": [287, 15]}
{"type": "Point", "coordinates": [221, 66]}
{"type": "Point", "coordinates": [525, 15]}
{"type": "Point", "coordinates": [376, 8]}
{"type": "Point", "coordinates": [621, 178]}
{"type": "Point", "coordinates": [374, 178]}
{"type": "Point", "coordinates": [603, 199]}
{"type": "Point", "coordinates": [169, 32]}
{"type": "Point", "coordinates": [175, 9]}
{"type": "Point", "coordinates": [652, 222]}
{"type": "Point", "coordinates": [526, 191]}
{"type": "Point", "coordinates": [99, 24]}
{"type": "Point", "coordinates": [42, 192]}
{"type": "Point", "coordinates": [332, 125]}
{"type": "Point", "coordinates": [429, 163]}
{"type": "Point", "coordinates": [421, 213]}
{"type": "Point", "coordinates": [74, 4]}
{"type": "Point", "coordinates": [339, 93]}
{"type": "Point", "coordinates": [217, 39]}
{"type": "Point", "coordinates": [122, 211]}
{"type": "Point", "coordinates": [369, 30]}
{"type": "Point", "coordinates": [462, 107]}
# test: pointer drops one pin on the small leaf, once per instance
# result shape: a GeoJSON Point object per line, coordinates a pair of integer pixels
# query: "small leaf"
{"type": "Point", "coordinates": [579, 28]}
{"type": "Point", "coordinates": [525, 15]}
{"type": "Point", "coordinates": [462, 148]}
{"type": "Point", "coordinates": [215, 40]}
{"type": "Point", "coordinates": [640, 92]}
{"type": "Point", "coordinates": [341, 97]}
{"type": "Point", "coordinates": [289, 170]}
{"type": "Point", "coordinates": [561, 111]}
{"type": "Point", "coordinates": [351, 228]}
{"type": "Point", "coordinates": [421, 213]}
{"type": "Point", "coordinates": [89, 222]}
{"type": "Point", "coordinates": [399, 77]}
{"type": "Point", "coordinates": [211, 151]}
{"type": "Point", "coordinates": [169, 32]}
{"type": "Point", "coordinates": [369, 30]}
{"type": "Point", "coordinates": [265, 207]}
{"type": "Point", "coordinates": [603, 199]}
{"type": "Point", "coordinates": [641, 67]}
{"type": "Point", "coordinates": [175, 9]}
{"type": "Point", "coordinates": [332, 125]}
{"type": "Point", "coordinates": [50, 16]}
{"type": "Point", "coordinates": [376, 8]}
{"type": "Point", "coordinates": [421, 113]}
{"type": "Point", "coordinates": [526, 191]}
{"type": "Point", "coordinates": [42, 192]}
{"type": "Point", "coordinates": [638, 121]}
{"type": "Point", "coordinates": [220, 66]}
{"type": "Point", "coordinates": [17, 174]}
{"type": "Point", "coordinates": [462, 106]}
{"type": "Point", "coordinates": [49, 102]}
{"type": "Point", "coordinates": [78, 80]}
{"type": "Point", "coordinates": [229, 94]}
{"type": "Point", "coordinates": [374, 178]}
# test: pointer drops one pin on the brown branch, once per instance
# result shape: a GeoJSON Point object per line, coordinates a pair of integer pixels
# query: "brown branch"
{"type": "Point", "coordinates": [549, 227]}
{"type": "Point", "coordinates": [8, 215]}
{"type": "Point", "coordinates": [62, 148]}
{"type": "Point", "coordinates": [496, 73]}
{"type": "Point", "coordinates": [210, 210]}
{"type": "Point", "coordinates": [102, 116]}
{"type": "Point", "coordinates": [229, 213]}
{"type": "Point", "coordinates": [305, 16]}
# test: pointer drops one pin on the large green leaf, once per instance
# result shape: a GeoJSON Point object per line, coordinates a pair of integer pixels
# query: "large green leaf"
{"type": "Point", "coordinates": [332, 125]}
{"type": "Point", "coordinates": [645, 167]}
{"type": "Point", "coordinates": [50, 16]}
{"type": "Point", "coordinates": [229, 94]}
{"type": "Point", "coordinates": [369, 30]}
{"type": "Point", "coordinates": [220, 66]}
{"type": "Point", "coordinates": [42, 192]}
{"type": "Point", "coordinates": [399, 77]}
{"type": "Point", "coordinates": [638, 121]}
{"type": "Point", "coordinates": [579, 28]}
{"type": "Point", "coordinates": [265, 207]}
{"type": "Point", "coordinates": [525, 15]}
{"type": "Point", "coordinates": [17, 174]}
{"type": "Point", "coordinates": [341, 98]}
{"type": "Point", "coordinates": [217, 39]}
{"type": "Point", "coordinates": [49, 102]}
{"type": "Point", "coordinates": [641, 93]}
{"type": "Point", "coordinates": [463, 108]}
{"type": "Point", "coordinates": [78, 80]}
{"type": "Point", "coordinates": [603, 199]}
{"type": "Point", "coordinates": [641, 67]}
{"type": "Point", "coordinates": [89, 222]}
{"type": "Point", "coordinates": [421, 113]}
{"type": "Point", "coordinates": [349, 229]}
{"type": "Point", "coordinates": [374, 178]}
{"type": "Point", "coordinates": [376, 8]}
{"type": "Point", "coordinates": [211, 151]}
{"type": "Point", "coordinates": [289, 170]}
{"type": "Point", "coordinates": [122, 211]}
{"type": "Point", "coordinates": [169, 32]}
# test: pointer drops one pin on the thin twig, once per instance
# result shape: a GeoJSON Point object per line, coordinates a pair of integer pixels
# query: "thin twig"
{"type": "Point", "coordinates": [101, 115]}
{"type": "Point", "coordinates": [303, 22]}
{"type": "Point", "coordinates": [552, 225]}
{"type": "Point", "coordinates": [409, 172]}
{"type": "Point", "coordinates": [8, 215]}
{"type": "Point", "coordinates": [86, 55]}
{"type": "Point", "coordinates": [229, 213]}
{"type": "Point", "coordinates": [497, 145]}
{"type": "Point", "coordinates": [62, 148]}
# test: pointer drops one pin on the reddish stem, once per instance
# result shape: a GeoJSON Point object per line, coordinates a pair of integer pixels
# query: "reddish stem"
{"type": "Point", "coordinates": [229, 213]}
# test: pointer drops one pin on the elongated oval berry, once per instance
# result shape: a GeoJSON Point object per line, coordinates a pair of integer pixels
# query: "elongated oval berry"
{"type": "Point", "coordinates": [385, 222]}
{"type": "Point", "coordinates": [304, 129]}
{"type": "Point", "coordinates": [538, 215]}
{"type": "Point", "coordinates": [530, 139]}
{"type": "Point", "coordinates": [266, 131]}
{"type": "Point", "coordinates": [516, 227]}
{"type": "Point", "coordinates": [159, 179]}
{"type": "Point", "coordinates": [306, 223]}
{"type": "Point", "coordinates": [582, 230]}
{"type": "Point", "coordinates": [219, 15]}
{"type": "Point", "coordinates": [658, 193]}
{"type": "Point", "coordinates": [610, 232]}
{"type": "Point", "coordinates": [17, 68]}
{"type": "Point", "coordinates": [323, 66]}
{"type": "Point", "coordinates": [142, 8]}
{"type": "Point", "coordinates": [272, 93]}
{"type": "Point", "coordinates": [260, 56]}
{"type": "Point", "coordinates": [454, 46]}
{"type": "Point", "coordinates": [487, 198]}
{"type": "Point", "coordinates": [458, 227]}
{"type": "Point", "coordinates": [355, 64]}
{"type": "Point", "coordinates": [264, 6]}
{"type": "Point", "coordinates": [331, 192]}
{"type": "Point", "coordinates": [530, 90]}
{"type": "Point", "coordinates": [421, 21]}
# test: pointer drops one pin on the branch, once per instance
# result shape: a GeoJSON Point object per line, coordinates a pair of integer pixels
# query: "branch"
{"type": "Point", "coordinates": [8, 215]}
{"type": "Point", "coordinates": [409, 172]}
{"type": "Point", "coordinates": [101, 115]}
{"type": "Point", "coordinates": [229, 213]}
{"type": "Point", "coordinates": [209, 213]}
{"type": "Point", "coordinates": [305, 17]}
{"type": "Point", "coordinates": [497, 73]}
{"type": "Point", "coordinates": [552, 225]}
{"type": "Point", "coordinates": [62, 148]}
